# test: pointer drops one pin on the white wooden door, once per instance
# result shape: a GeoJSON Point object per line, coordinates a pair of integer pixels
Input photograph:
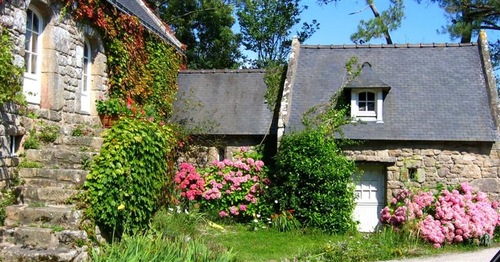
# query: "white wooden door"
{"type": "Point", "coordinates": [370, 196]}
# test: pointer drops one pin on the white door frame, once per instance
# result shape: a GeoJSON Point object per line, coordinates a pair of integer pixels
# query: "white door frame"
{"type": "Point", "coordinates": [370, 197]}
{"type": "Point", "coordinates": [33, 53]}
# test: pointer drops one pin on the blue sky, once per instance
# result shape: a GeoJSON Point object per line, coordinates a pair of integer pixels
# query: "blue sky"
{"type": "Point", "coordinates": [421, 25]}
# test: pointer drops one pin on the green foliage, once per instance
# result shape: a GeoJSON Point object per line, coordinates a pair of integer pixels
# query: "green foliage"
{"type": "Point", "coordinates": [48, 133]}
{"type": "Point", "coordinates": [381, 24]}
{"type": "Point", "coordinates": [124, 186]}
{"type": "Point", "coordinates": [11, 76]}
{"type": "Point", "coordinates": [204, 26]}
{"type": "Point", "coordinates": [31, 143]}
{"type": "Point", "coordinates": [157, 247]}
{"type": "Point", "coordinates": [285, 221]}
{"type": "Point", "coordinates": [274, 79]}
{"type": "Point", "coordinates": [30, 164]}
{"type": "Point", "coordinates": [110, 107]}
{"type": "Point", "coordinates": [174, 222]}
{"type": "Point", "coordinates": [81, 130]}
{"type": "Point", "coordinates": [164, 73]}
{"type": "Point", "coordinates": [314, 178]}
{"type": "Point", "coordinates": [267, 28]}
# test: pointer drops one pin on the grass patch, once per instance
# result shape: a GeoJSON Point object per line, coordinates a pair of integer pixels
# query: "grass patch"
{"type": "Point", "coordinates": [30, 164]}
{"type": "Point", "coordinates": [178, 236]}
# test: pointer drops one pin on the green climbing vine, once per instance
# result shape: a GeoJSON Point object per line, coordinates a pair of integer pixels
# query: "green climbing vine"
{"type": "Point", "coordinates": [10, 74]}
{"type": "Point", "coordinates": [141, 67]}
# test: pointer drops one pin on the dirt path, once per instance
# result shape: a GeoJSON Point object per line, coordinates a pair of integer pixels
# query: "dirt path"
{"type": "Point", "coordinates": [484, 255]}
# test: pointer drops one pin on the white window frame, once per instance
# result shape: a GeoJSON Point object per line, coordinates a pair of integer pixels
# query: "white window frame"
{"type": "Point", "coordinates": [368, 116]}
{"type": "Point", "coordinates": [32, 82]}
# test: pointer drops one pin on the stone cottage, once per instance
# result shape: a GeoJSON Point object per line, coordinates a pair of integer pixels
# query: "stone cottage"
{"type": "Point", "coordinates": [428, 113]}
{"type": "Point", "coordinates": [65, 66]}
{"type": "Point", "coordinates": [224, 110]}
{"type": "Point", "coordinates": [65, 71]}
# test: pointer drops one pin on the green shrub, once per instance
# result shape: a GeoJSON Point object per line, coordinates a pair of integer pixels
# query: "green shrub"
{"type": "Point", "coordinates": [31, 143]}
{"type": "Point", "coordinates": [314, 178]}
{"type": "Point", "coordinates": [48, 133]}
{"type": "Point", "coordinates": [11, 76]}
{"type": "Point", "coordinates": [124, 186]}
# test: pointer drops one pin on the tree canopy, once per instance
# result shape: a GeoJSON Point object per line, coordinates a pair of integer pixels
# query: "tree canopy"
{"type": "Point", "coordinates": [266, 26]}
{"type": "Point", "coordinates": [205, 27]}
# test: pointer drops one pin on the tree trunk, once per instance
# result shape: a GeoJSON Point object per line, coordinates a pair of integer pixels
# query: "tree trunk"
{"type": "Point", "coordinates": [377, 14]}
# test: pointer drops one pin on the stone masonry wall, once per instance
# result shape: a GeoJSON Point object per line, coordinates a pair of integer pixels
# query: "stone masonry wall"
{"type": "Point", "coordinates": [448, 163]}
{"type": "Point", "coordinates": [62, 42]}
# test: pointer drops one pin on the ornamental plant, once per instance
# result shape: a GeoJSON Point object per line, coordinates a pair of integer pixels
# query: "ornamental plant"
{"type": "Point", "coordinates": [110, 107]}
{"type": "Point", "coordinates": [457, 216]}
{"type": "Point", "coordinates": [125, 184]}
{"type": "Point", "coordinates": [232, 188]}
{"type": "Point", "coordinates": [314, 179]}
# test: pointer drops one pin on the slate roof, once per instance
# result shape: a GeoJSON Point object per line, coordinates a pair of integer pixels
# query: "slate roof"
{"type": "Point", "coordinates": [223, 102]}
{"type": "Point", "coordinates": [438, 92]}
{"type": "Point", "coordinates": [148, 19]}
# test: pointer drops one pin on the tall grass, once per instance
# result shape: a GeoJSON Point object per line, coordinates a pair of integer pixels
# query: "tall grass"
{"type": "Point", "coordinates": [173, 236]}
{"type": "Point", "coordinates": [157, 247]}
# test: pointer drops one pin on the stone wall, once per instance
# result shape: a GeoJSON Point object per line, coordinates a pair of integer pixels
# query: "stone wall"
{"type": "Point", "coordinates": [426, 164]}
{"type": "Point", "coordinates": [62, 42]}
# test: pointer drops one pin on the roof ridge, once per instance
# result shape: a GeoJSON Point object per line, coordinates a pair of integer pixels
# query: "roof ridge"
{"type": "Point", "coordinates": [408, 45]}
{"type": "Point", "coordinates": [219, 71]}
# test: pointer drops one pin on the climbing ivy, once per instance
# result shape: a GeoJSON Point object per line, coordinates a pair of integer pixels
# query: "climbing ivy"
{"type": "Point", "coordinates": [10, 74]}
{"type": "Point", "coordinates": [141, 67]}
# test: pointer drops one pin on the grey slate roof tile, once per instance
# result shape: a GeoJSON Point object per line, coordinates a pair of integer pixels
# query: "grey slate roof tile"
{"type": "Point", "coordinates": [438, 92]}
{"type": "Point", "coordinates": [148, 19]}
{"type": "Point", "coordinates": [223, 102]}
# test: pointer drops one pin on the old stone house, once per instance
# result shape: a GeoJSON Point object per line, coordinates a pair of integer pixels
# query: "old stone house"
{"type": "Point", "coordinates": [65, 66]}
{"type": "Point", "coordinates": [65, 71]}
{"type": "Point", "coordinates": [224, 110]}
{"type": "Point", "coordinates": [429, 114]}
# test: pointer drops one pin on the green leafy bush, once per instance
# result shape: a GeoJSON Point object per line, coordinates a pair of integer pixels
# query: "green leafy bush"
{"type": "Point", "coordinates": [48, 133]}
{"type": "Point", "coordinates": [10, 75]}
{"type": "Point", "coordinates": [31, 143]}
{"type": "Point", "coordinates": [124, 186]}
{"type": "Point", "coordinates": [314, 179]}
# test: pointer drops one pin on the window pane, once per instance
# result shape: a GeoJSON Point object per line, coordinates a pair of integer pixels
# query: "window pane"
{"type": "Point", "coordinates": [29, 20]}
{"type": "Point", "coordinates": [34, 43]}
{"type": "Point", "coordinates": [27, 56]}
{"type": "Point", "coordinates": [84, 87]}
{"type": "Point", "coordinates": [371, 106]}
{"type": "Point", "coordinates": [371, 96]}
{"type": "Point", "coordinates": [36, 24]}
{"type": "Point", "coordinates": [27, 40]}
{"type": "Point", "coordinates": [362, 96]}
{"type": "Point", "coordinates": [33, 64]}
{"type": "Point", "coordinates": [362, 106]}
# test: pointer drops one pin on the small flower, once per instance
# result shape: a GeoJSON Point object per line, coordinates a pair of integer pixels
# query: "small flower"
{"type": "Point", "coordinates": [121, 206]}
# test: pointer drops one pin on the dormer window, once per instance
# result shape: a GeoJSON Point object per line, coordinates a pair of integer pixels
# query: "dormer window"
{"type": "Point", "coordinates": [367, 105]}
{"type": "Point", "coordinates": [367, 95]}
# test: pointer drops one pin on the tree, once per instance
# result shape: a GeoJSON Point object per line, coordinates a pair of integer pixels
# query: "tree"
{"type": "Point", "coordinates": [466, 17]}
{"type": "Point", "coordinates": [380, 25]}
{"type": "Point", "coordinates": [267, 26]}
{"type": "Point", "coordinates": [205, 27]}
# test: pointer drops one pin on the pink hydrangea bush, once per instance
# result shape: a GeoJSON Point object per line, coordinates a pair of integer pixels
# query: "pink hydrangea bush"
{"type": "Point", "coordinates": [232, 188]}
{"type": "Point", "coordinates": [456, 216]}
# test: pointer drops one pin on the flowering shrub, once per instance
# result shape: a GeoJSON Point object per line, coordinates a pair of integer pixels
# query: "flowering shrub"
{"type": "Point", "coordinates": [231, 188]}
{"type": "Point", "coordinates": [450, 217]}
